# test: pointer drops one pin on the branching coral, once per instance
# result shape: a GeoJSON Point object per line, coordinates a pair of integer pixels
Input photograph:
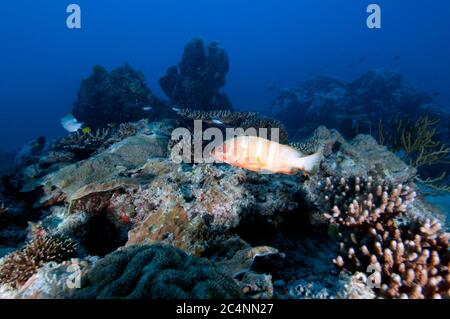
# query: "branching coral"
{"type": "Point", "coordinates": [404, 259]}
{"type": "Point", "coordinates": [363, 200]}
{"type": "Point", "coordinates": [17, 267]}
{"type": "Point", "coordinates": [156, 272]}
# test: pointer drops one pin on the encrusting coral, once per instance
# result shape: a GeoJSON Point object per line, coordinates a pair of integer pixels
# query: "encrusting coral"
{"type": "Point", "coordinates": [17, 267]}
{"type": "Point", "coordinates": [405, 258]}
{"type": "Point", "coordinates": [156, 272]}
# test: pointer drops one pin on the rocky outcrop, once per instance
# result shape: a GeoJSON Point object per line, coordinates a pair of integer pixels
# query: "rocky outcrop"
{"type": "Point", "coordinates": [196, 81]}
{"type": "Point", "coordinates": [351, 107]}
{"type": "Point", "coordinates": [117, 97]}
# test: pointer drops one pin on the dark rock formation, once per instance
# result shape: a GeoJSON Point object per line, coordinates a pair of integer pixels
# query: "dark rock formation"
{"type": "Point", "coordinates": [113, 97]}
{"type": "Point", "coordinates": [352, 108]}
{"type": "Point", "coordinates": [196, 81]}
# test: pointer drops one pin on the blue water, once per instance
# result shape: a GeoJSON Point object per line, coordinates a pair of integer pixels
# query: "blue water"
{"type": "Point", "coordinates": [269, 42]}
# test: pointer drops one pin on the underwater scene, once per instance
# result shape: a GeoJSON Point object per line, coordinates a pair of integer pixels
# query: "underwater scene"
{"type": "Point", "coordinates": [225, 149]}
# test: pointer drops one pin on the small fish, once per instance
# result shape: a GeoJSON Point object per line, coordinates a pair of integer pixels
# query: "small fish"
{"type": "Point", "coordinates": [175, 109]}
{"type": "Point", "coordinates": [362, 59]}
{"type": "Point", "coordinates": [397, 58]}
{"type": "Point", "coordinates": [436, 93]}
{"type": "Point", "coordinates": [350, 66]}
{"type": "Point", "coordinates": [112, 125]}
{"type": "Point", "coordinates": [216, 121]}
{"type": "Point", "coordinates": [147, 108]}
{"type": "Point", "coordinates": [87, 130]}
{"type": "Point", "coordinates": [70, 123]}
{"type": "Point", "coordinates": [264, 156]}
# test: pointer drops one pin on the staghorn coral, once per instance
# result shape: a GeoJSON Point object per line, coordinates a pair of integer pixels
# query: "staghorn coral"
{"type": "Point", "coordinates": [155, 272]}
{"type": "Point", "coordinates": [405, 258]}
{"type": "Point", "coordinates": [17, 267]}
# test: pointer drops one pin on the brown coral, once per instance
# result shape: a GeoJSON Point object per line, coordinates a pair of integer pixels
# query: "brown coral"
{"type": "Point", "coordinates": [405, 259]}
{"type": "Point", "coordinates": [17, 267]}
{"type": "Point", "coordinates": [358, 201]}
{"type": "Point", "coordinates": [411, 261]}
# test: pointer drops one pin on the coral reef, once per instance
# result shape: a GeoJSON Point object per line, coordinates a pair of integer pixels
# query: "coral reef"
{"type": "Point", "coordinates": [156, 272]}
{"type": "Point", "coordinates": [16, 268]}
{"type": "Point", "coordinates": [113, 97]}
{"type": "Point", "coordinates": [196, 81]}
{"type": "Point", "coordinates": [352, 108]}
{"type": "Point", "coordinates": [267, 236]}
{"type": "Point", "coordinates": [358, 201]}
{"type": "Point", "coordinates": [405, 258]}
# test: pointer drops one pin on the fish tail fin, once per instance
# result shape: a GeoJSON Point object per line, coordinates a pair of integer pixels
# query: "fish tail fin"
{"type": "Point", "coordinates": [308, 163]}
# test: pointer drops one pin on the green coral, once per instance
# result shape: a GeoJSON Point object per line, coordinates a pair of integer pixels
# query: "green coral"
{"type": "Point", "coordinates": [156, 272]}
